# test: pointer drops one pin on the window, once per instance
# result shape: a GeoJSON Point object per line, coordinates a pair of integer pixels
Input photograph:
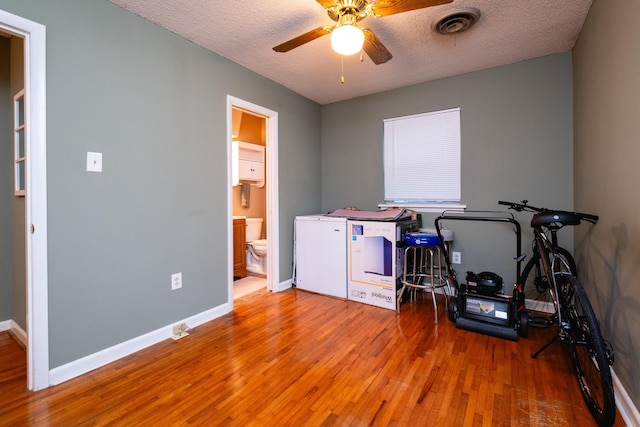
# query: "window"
{"type": "Point", "coordinates": [422, 160]}
{"type": "Point", "coordinates": [19, 142]}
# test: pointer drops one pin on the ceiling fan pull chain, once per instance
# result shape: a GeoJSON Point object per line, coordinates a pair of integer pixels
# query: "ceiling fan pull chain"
{"type": "Point", "coordinates": [342, 69]}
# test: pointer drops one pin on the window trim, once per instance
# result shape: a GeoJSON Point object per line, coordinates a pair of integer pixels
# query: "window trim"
{"type": "Point", "coordinates": [19, 161]}
{"type": "Point", "coordinates": [425, 207]}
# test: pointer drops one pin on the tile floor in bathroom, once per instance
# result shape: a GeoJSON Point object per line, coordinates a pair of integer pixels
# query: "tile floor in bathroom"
{"type": "Point", "coordinates": [248, 285]}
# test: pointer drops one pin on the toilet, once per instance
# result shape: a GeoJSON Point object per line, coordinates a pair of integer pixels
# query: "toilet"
{"type": "Point", "coordinates": [256, 247]}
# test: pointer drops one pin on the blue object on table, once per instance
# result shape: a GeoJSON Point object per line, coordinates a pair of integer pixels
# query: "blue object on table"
{"type": "Point", "coordinates": [421, 239]}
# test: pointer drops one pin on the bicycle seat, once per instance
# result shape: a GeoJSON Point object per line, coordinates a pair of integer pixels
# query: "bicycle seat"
{"type": "Point", "coordinates": [551, 217]}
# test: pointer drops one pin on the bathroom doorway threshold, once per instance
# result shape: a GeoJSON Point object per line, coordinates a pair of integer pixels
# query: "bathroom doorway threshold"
{"type": "Point", "coordinates": [248, 285]}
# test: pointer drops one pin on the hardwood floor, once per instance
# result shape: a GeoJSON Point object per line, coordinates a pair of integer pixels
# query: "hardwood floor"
{"type": "Point", "coordinates": [295, 358]}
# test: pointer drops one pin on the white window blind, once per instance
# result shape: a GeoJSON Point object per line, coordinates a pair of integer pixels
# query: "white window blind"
{"type": "Point", "coordinates": [422, 158]}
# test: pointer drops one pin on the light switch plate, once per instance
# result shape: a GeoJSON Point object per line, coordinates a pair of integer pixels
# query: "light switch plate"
{"type": "Point", "coordinates": [94, 162]}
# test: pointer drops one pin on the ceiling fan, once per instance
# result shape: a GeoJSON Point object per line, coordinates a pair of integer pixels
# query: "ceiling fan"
{"type": "Point", "coordinates": [346, 37]}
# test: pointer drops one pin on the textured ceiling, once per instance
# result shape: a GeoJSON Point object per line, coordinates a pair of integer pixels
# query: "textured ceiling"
{"type": "Point", "coordinates": [245, 31]}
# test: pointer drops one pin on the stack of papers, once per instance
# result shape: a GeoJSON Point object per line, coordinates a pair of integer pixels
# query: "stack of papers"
{"type": "Point", "coordinates": [385, 215]}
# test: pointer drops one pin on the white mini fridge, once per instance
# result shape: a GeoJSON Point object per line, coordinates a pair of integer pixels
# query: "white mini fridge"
{"type": "Point", "coordinates": [375, 262]}
{"type": "Point", "coordinates": [320, 254]}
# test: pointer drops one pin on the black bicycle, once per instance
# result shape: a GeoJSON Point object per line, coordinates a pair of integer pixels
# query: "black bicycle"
{"type": "Point", "coordinates": [535, 285]}
{"type": "Point", "coordinates": [550, 275]}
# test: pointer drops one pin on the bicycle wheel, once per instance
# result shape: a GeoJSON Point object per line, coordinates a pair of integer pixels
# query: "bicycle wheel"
{"type": "Point", "coordinates": [539, 301]}
{"type": "Point", "coordinates": [590, 355]}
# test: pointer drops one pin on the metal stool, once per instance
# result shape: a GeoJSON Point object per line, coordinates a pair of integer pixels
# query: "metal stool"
{"type": "Point", "coordinates": [424, 268]}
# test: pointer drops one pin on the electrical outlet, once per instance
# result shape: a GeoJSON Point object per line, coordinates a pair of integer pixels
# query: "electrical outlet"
{"type": "Point", "coordinates": [456, 257]}
{"type": "Point", "coordinates": [176, 281]}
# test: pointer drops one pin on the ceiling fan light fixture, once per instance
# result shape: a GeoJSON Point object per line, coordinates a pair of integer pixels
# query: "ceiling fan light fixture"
{"type": "Point", "coordinates": [347, 39]}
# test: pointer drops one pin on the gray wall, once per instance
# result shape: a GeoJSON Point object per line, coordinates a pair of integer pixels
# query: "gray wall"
{"type": "Point", "coordinates": [514, 119]}
{"type": "Point", "coordinates": [607, 152]}
{"type": "Point", "coordinates": [155, 105]}
{"type": "Point", "coordinates": [6, 182]}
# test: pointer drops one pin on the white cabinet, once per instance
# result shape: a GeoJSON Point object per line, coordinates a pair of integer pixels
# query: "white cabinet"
{"type": "Point", "coordinates": [249, 170]}
{"type": "Point", "coordinates": [248, 163]}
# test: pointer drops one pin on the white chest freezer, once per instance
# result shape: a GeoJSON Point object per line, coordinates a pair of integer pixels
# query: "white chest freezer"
{"type": "Point", "coordinates": [320, 255]}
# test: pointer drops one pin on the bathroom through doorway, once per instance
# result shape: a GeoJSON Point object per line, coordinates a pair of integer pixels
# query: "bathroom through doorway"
{"type": "Point", "coordinates": [253, 184]}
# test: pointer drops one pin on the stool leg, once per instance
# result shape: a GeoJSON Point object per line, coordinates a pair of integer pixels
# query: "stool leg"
{"type": "Point", "coordinates": [404, 285]}
{"type": "Point", "coordinates": [426, 273]}
{"type": "Point", "coordinates": [432, 285]}
{"type": "Point", "coordinates": [442, 276]}
{"type": "Point", "coordinates": [404, 280]}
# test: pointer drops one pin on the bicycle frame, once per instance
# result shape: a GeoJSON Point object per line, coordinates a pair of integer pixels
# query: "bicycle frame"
{"type": "Point", "coordinates": [550, 258]}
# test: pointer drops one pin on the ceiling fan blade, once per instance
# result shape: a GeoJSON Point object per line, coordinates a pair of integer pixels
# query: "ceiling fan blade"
{"type": "Point", "coordinates": [302, 39]}
{"type": "Point", "coordinates": [374, 48]}
{"type": "Point", "coordinates": [327, 4]}
{"type": "Point", "coordinates": [391, 7]}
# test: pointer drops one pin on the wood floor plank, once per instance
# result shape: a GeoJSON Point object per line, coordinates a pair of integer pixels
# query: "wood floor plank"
{"type": "Point", "coordinates": [299, 359]}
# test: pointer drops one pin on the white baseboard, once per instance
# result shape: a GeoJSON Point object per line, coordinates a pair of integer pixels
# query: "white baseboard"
{"type": "Point", "coordinates": [93, 361]}
{"type": "Point", "coordinates": [625, 405]}
{"type": "Point", "coordinates": [18, 332]}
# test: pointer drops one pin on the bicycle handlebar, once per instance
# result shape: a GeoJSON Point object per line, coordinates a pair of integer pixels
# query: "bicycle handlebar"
{"type": "Point", "coordinates": [588, 217]}
{"type": "Point", "coordinates": [523, 206]}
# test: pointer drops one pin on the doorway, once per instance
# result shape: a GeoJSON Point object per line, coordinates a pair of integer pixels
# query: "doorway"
{"type": "Point", "coordinates": [254, 128]}
{"type": "Point", "coordinates": [14, 266]}
{"type": "Point", "coordinates": [248, 192]}
{"type": "Point", "coordinates": [37, 313]}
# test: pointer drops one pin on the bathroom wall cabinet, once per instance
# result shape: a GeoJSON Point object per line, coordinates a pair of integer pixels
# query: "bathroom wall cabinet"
{"type": "Point", "coordinates": [248, 163]}
{"type": "Point", "coordinates": [249, 170]}
{"type": "Point", "coordinates": [239, 248]}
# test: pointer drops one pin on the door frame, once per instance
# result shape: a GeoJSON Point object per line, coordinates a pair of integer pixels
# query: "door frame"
{"type": "Point", "coordinates": [34, 36]}
{"type": "Point", "coordinates": [273, 215]}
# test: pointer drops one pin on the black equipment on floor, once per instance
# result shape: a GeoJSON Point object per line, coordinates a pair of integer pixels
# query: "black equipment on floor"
{"type": "Point", "coordinates": [480, 304]}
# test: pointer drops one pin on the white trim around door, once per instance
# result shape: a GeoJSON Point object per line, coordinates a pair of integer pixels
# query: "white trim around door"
{"type": "Point", "coordinates": [34, 36]}
{"type": "Point", "coordinates": [273, 231]}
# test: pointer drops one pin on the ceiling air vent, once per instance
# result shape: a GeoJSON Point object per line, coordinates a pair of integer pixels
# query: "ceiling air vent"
{"type": "Point", "coordinates": [456, 20]}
